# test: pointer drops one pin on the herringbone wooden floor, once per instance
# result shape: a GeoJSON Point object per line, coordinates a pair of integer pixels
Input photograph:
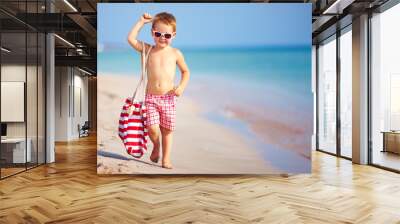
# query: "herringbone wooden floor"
{"type": "Point", "coordinates": [70, 191]}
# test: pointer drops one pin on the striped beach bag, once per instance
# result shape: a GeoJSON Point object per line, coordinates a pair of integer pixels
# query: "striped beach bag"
{"type": "Point", "coordinates": [132, 122]}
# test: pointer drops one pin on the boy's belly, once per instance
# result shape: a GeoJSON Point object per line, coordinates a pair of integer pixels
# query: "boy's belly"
{"type": "Point", "coordinates": [159, 88]}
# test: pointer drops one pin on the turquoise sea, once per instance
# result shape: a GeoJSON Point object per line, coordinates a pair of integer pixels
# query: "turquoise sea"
{"type": "Point", "coordinates": [289, 66]}
{"type": "Point", "coordinates": [274, 81]}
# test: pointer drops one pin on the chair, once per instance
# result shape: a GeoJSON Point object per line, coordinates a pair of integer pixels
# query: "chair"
{"type": "Point", "coordinates": [84, 130]}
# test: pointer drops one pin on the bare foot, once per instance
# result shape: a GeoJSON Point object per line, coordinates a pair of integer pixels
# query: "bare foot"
{"type": "Point", "coordinates": [167, 165]}
{"type": "Point", "coordinates": [155, 154]}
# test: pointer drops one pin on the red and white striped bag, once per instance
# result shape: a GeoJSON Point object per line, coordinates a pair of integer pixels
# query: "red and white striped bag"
{"type": "Point", "coordinates": [132, 122]}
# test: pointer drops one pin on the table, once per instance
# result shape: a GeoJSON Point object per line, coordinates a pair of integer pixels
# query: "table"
{"type": "Point", "coordinates": [16, 147]}
{"type": "Point", "coordinates": [391, 141]}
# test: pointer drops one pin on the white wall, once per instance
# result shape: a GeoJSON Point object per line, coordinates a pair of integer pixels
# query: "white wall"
{"type": "Point", "coordinates": [17, 73]}
{"type": "Point", "coordinates": [14, 73]}
{"type": "Point", "coordinates": [62, 81]}
{"type": "Point", "coordinates": [70, 83]}
{"type": "Point", "coordinates": [33, 126]}
{"type": "Point", "coordinates": [80, 94]}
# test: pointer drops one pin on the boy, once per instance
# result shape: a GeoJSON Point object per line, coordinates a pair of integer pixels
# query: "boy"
{"type": "Point", "coordinates": [161, 94]}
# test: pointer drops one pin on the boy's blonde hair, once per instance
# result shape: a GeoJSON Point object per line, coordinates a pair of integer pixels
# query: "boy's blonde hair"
{"type": "Point", "coordinates": [166, 18]}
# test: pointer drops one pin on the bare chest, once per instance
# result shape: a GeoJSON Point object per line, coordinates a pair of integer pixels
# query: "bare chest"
{"type": "Point", "coordinates": [161, 61]}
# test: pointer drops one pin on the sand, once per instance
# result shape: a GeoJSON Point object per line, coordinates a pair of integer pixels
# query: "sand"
{"type": "Point", "coordinates": [200, 146]}
{"type": "Point", "coordinates": [266, 111]}
{"type": "Point", "coordinates": [286, 135]}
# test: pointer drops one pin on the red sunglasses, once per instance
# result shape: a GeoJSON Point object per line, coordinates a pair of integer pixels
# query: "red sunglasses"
{"type": "Point", "coordinates": [165, 35]}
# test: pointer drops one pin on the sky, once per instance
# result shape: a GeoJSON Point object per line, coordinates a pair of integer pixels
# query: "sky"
{"type": "Point", "coordinates": [212, 24]}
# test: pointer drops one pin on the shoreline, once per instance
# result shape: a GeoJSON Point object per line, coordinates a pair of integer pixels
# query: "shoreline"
{"type": "Point", "coordinates": [273, 120]}
{"type": "Point", "coordinates": [228, 154]}
{"type": "Point", "coordinates": [292, 161]}
{"type": "Point", "coordinates": [261, 127]}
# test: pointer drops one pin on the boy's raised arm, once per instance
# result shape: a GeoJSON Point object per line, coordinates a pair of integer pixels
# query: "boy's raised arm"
{"type": "Point", "coordinates": [145, 18]}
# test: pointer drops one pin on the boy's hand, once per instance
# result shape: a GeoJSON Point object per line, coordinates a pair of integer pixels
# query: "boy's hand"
{"type": "Point", "coordinates": [177, 91]}
{"type": "Point", "coordinates": [146, 18]}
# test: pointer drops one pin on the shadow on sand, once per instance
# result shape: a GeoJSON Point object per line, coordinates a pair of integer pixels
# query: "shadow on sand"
{"type": "Point", "coordinates": [118, 156]}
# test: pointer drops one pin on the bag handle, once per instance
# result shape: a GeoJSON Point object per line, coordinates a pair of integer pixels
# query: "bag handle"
{"type": "Point", "coordinates": [143, 68]}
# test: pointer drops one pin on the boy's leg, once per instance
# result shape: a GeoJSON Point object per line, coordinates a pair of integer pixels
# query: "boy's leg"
{"type": "Point", "coordinates": [153, 121]}
{"type": "Point", "coordinates": [167, 126]}
{"type": "Point", "coordinates": [155, 139]}
{"type": "Point", "coordinates": [166, 135]}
